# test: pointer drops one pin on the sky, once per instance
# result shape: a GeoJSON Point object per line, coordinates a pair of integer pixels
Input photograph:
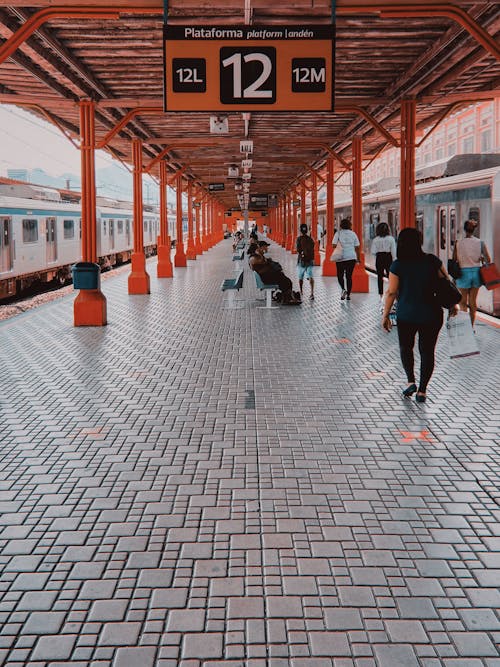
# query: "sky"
{"type": "Point", "coordinates": [27, 141]}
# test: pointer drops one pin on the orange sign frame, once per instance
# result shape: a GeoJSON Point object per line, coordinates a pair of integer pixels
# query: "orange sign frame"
{"type": "Point", "coordinates": [249, 68]}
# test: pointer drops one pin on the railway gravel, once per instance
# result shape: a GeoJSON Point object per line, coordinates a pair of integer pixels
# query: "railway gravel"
{"type": "Point", "coordinates": [12, 309]}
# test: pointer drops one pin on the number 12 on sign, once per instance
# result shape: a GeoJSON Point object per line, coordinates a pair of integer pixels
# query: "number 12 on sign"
{"type": "Point", "coordinates": [248, 75]}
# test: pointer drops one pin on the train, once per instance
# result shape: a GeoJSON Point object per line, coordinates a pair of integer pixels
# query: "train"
{"type": "Point", "coordinates": [40, 235]}
{"type": "Point", "coordinates": [446, 195]}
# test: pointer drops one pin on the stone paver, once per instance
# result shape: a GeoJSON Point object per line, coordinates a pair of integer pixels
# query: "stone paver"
{"type": "Point", "coordinates": [193, 486]}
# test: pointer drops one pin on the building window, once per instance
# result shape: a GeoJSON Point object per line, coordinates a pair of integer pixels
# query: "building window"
{"type": "Point", "coordinates": [486, 141]}
{"type": "Point", "coordinates": [452, 149]}
{"type": "Point", "coordinates": [439, 154]}
{"type": "Point", "coordinates": [30, 231]}
{"type": "Point", "coordinates": [69, 229]}
{"type": "Point", "coordinates": [468, 145]}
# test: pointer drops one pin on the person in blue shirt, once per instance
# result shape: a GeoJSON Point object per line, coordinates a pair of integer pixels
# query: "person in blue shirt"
{"type": "Point", "coordinates": [411, 279]}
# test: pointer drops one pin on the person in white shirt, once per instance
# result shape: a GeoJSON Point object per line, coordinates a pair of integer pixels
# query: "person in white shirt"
{"type": "Point", "coordinates": [384, 250]}
{"type": "Point", "coordinates": [345, 255]}
{"type": "Point", "coordinates": [469, 253]}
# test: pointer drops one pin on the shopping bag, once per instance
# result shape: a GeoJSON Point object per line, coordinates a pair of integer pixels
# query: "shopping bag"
{"type": "Point", "coordinates": [490, 276]}
{"type": "Point", "coordinates": [462, 341]}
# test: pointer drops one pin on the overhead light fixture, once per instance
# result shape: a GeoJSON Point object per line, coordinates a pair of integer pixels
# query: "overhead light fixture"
{"type": "Point", "coordinates": [246, 146]}
{"type": "Point", "coordinates": [219, 125]}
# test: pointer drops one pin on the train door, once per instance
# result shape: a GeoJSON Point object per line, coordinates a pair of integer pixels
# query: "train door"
{"type": "Point", "coordinates": [127, 231]}
{"type": "Point", "coordinates": [50, 240]}
{"type": "Point", "coordinates": [393, 221]}
{"type": "Point", "coordinates": [446, 232]}
{"type": "Point", "coordinates": [111, 233]}
{"type": "Point", "coordinates": [6, 251]}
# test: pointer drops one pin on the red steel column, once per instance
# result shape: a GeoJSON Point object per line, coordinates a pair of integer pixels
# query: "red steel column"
{"type": "Point", "coordinates": [197, 223]}
{"type": "Point", "coordinates": [89, 307]}
{"type": "Point", "coordinates": [164, 267]}
{"type": "Point", "coordinates": [303, 203]}
{"type": "Point", "coordinates": [205, 225]}
{"type": "Point", "coordinates": [360, 282]}
{"type": "Point", "coordinates": [408, 132]}
{"type": "Point", "coordinates": [314, 218]}
{"type": "Point", "coordinates": [295, 222]}
{"type": "Point", "coordinates": [290, 239]}
{"type": "Point", "coordinates": [329, 267]}
{"type": "Point", "coordinates": [138, 280]}
{"type": "Point", "coordinates": [191, 250]}
{"type": "Point", "coordinates": [180, 256]}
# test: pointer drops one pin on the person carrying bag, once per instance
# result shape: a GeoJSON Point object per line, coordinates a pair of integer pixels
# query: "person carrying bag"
{"type": "Point", "coordinates": [470, 252]}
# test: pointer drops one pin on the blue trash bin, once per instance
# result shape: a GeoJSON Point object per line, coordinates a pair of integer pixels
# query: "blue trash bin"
{"type": "Point", "coordinates": [86, 275]}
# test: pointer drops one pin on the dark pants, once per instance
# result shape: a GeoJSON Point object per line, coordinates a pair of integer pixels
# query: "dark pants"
{"type": "Point", "coordinates": [346, 268]}
{"type": "Point", "coordinates": [272, 277]}
{"type": "Point", "coordinates": [383, 261]}
{"type": "Point", "coordinates": [427, 338]}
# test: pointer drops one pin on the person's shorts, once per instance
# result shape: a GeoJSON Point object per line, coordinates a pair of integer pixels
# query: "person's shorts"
{"type": "Point", "coordinates": [306, 271]}
{"type": "Point", "coordinates": [469, 278]}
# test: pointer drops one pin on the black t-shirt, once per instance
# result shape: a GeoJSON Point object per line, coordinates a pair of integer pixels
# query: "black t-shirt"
{"type": "Point", "coordinates": [305, 248]}
{"type": "Point", "coordinates": [416, 278]}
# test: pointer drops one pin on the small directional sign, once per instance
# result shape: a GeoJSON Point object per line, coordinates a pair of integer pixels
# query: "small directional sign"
{"type": "Point", "coordinates": [247, 68]}
{"type": "Point", "coordinates": [215, 187]}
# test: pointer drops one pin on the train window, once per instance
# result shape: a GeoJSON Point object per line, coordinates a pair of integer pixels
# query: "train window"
{"type": "Point", "coordinates": [453, 227]}
{"type": "Point", "coordinates": [69, 229]}
{"type": "Point", "coordinates": [104, 227]}
{"type": "Point", "coordinates": [30, 231]}
{"type": "Point", "coordinates": [474, 214]}
{"type": "Point", "coordinates": [419, 222]}
{"type": "Point", "coordinates": [442, 228]}
{"type": "Point", "coordinates": [120, 226]}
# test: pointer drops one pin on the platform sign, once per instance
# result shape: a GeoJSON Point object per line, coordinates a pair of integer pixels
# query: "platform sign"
{"type": "Point", "coordinates": [215, 187]}
{"type": "Point", "coordinates": [258, 201]}
{"type": "Point", "coordinates": [249, 68]}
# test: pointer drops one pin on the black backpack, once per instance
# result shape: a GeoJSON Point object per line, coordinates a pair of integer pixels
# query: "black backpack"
{"type": "Point", "coordinates": [306, 248]}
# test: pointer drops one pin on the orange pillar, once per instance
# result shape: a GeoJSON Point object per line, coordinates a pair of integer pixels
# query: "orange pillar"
{"type": "Point", "coordinates": [204, 223]}
{"type": "Point", "coordinates": [360, 282]}
{"type": "Point", "coordinates": [89, 307]}
{"type": "Point", "coordinates": [295, 224]}
{"type": "Point", "coordinates": [314, 218]}
{"type": "Point", "coordinates": [180, 256]}
{"type": "Point", "coordinates": [282, 222]}
{"type": "Point", "coordinates": [291, 229]}
{"type": "Point", "coordinates": [329, 267]}
{"type": "Point", "coordinates": [138, 280]}
{"type": "Point", "coordinates": [408, 132]}
{"type": "Point", "coordinates": [303, 204]}
{"type": "Point", "coordinates": [164, 267]}
{"type": "Point", "coordinates": [197, 223]}
{"type": "Point", "coordinates": [191, 250]}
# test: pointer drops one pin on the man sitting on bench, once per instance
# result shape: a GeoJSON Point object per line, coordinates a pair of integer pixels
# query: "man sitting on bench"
{"type": "Point", "coordinates": [271, 272]}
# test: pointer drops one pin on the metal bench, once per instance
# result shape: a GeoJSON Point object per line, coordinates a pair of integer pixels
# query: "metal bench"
{"type": "Point", "coordinates": [232, 285]}
{"type": "Point", "coordinates": [238, 257]}
{"type": "Point", "coordinates": [268, 289]}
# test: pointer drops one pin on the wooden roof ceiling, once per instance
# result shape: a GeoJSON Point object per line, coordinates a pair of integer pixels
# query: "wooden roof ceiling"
{"type": "Point", "coordinates": [439, 54]}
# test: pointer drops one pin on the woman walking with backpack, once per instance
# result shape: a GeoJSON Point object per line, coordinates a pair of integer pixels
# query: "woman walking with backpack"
{"type": "Point", "coordinates": [305, 259]}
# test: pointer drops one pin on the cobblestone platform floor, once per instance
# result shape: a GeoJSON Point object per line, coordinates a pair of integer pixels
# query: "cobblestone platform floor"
{"type": "Point", "coordinates": [205, 487]}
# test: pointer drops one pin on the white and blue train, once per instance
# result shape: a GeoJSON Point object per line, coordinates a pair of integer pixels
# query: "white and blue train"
{"type": "Point", "coordinates": [40, 236]}
{"type": "Point", "coordinates": [462, 191]}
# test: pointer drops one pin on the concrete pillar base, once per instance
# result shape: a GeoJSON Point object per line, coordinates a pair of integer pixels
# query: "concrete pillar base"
{"type": "Point", "coordinates": [89, 309]}
{"type": "Point", "coordinates": [164, 268]}
{"type": "Point", "coordinates": [360, 279]}
{"type": "Point", "coordinates": [329, 268]}
{"type": "Point", "coordinates": [138, 280]}
{"type": "Point", "coordinates": [180, 259]}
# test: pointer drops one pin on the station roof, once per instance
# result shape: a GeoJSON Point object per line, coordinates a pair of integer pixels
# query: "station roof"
{"type": "Point", "coordinates": [443, 55]}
